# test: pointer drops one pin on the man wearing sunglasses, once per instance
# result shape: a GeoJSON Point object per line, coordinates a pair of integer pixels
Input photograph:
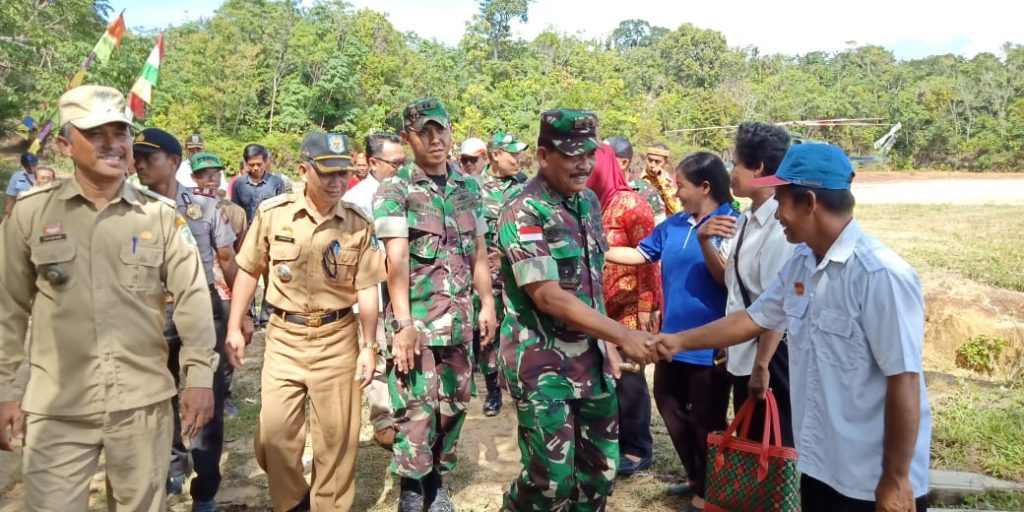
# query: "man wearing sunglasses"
{"type": "Point", "coordinates": [322, 257]}
{"type": "Point", "coordinates": [473, 156]}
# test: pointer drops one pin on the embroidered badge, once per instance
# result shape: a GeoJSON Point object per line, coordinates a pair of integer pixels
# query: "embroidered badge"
{"type": "Point", "coordinates": [193, 212]}
{"type": "Point", "coordinates": [798, 288]}
{"type": "Point", "coordinates": [52, 232]}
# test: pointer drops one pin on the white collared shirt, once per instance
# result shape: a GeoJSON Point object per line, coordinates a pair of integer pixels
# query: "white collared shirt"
{"type": "Point", "coordinates": [763, 252]}
{"type": "Point", "coordinates": [853, 320]}
{"type": "Point", "coordinates": [362, 194]}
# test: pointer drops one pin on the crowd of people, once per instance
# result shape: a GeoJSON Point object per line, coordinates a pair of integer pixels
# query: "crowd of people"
{"type": "Point", "coordinates": [399, 279]}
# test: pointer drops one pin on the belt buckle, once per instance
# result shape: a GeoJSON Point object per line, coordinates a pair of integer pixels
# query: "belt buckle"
{"type": "Point", "coordinates": [315, 320]}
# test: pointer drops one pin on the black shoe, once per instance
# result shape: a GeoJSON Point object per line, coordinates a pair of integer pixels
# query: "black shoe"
{"type": "Point", "coordinates": [436, 496]}
{"type": "Point", "coordinates": [682, 489]}
{"type": "Point", "coordinates": [629, 467]}
{"type": "Point", "coordinates": [411, 497]}
{"type": "Point", "coordinates": [492, 403]}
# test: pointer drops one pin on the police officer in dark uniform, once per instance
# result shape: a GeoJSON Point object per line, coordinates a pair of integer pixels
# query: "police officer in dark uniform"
{"type": "Point", "coordinates": [157, 155]}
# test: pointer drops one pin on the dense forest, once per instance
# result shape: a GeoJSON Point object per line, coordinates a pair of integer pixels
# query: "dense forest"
{"type": "Point", "coordinates": [270, 71]}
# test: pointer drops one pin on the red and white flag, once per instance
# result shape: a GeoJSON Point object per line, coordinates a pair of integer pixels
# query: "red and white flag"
{"type": "Point", "coordinates": [142, 92]}
{"type": "Point", "coordinates": [531, 234]}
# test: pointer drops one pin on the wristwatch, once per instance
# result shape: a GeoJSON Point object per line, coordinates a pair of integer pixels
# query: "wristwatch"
{"type": "Point", "coordinates": [398, 325]}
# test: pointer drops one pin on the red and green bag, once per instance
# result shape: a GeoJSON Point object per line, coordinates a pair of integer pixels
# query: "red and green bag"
{"type": "Point", "coordinates": [747, 476]}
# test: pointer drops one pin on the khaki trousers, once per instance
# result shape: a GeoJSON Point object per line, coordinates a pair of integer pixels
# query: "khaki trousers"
{"type": "Point", "coordinates": [318, 363]}
{"type": "Point", "coordinates": [62, 453]}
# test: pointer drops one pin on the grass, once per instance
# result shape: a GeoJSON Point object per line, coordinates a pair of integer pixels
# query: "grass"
{"type": "Point", "coordinates": [980, 243]}
{"type": "Point", "coordinates": [995, 500]}
{"type": "Point", "coordinates": [979, 429]}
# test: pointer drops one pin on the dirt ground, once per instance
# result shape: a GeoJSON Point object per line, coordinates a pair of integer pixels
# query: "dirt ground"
{"type": "Point", "coordinates": [957, 308]}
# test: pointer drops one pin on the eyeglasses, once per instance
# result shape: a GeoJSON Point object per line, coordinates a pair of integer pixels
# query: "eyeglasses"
{"type": "Point", "coordinates": [470, 160]}
{"type": "Point", "coordinates": [395, 164]}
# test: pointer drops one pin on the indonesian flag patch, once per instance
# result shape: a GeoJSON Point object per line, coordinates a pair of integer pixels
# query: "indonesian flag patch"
{"type": "Point", "coordinates": [531, 234]}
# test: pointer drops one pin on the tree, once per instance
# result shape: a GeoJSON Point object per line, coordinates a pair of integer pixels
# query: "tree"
{"type": "Point", "coordinates": [635, 34]}
{"type": "Point", "coordinates": [498, 16]}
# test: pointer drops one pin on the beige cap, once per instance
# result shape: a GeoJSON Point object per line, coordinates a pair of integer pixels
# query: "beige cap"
{"type": "Point", "coordinates": [89, 106]}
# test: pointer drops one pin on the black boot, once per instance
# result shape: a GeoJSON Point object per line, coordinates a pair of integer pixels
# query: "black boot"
{"type": "Point", "coordinates": [437, 498]}
{"type": "Point", "coordinates": [492, 403]}
{"type": "Point", "coordinates": [411, 497]}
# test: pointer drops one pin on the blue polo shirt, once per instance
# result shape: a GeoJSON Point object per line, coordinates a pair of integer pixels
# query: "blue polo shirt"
{"type": "Point", "coordinates": [20, 182]}
{"type": "Point", "coordinates": [692, 297]}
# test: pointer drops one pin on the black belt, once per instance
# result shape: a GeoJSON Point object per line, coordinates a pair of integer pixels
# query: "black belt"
{"type": "Point", "coordinates": [312, 319]}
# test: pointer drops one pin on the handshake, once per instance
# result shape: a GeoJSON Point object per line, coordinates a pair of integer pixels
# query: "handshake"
{"type": "Point", "coordinates": [644, 347]}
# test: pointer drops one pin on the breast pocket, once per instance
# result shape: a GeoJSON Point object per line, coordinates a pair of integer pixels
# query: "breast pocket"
{"type": "Point", "coordinates": [425, 240]}
{"type": "Point", "coordinates": [567, 257]}
{"type": "Point", "coordinates": [838, 340]}
{"type": "Point", "coordinates": [141, 268]}
{"type": "Point", "coordinates": [347, 259]}
{"type": "Point", "coordinates": [282, 261]}
{"type": "Point", "coordinates": [54, 262]}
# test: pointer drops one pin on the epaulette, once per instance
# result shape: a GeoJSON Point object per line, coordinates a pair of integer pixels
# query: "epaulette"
{"type": "Point", "coordinates": [208, 192]}
{"type": "Point", "coordinates": [153, 195]}
{"type": "Point", "coordinates": [359, 211]}
{"type": "Point", "coordinates": [40, 189]}
{"type": "Point", "coordinates": [277, 200]}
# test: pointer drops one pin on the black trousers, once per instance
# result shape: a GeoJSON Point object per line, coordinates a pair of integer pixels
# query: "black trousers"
{"type": "Point", "coordinates": [778, 371]}
{"type": "Point", "coordinates": [208, 446]}
{"type": "Point", "coordinates": [692, 400]}
{"type": "Point", "coordinates": [634, 415]}
{"type": "Point", "coordinates": [816, 496]}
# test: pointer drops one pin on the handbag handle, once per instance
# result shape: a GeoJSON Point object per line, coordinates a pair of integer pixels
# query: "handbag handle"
{"type": "Point", "coordinates": [772, 427]}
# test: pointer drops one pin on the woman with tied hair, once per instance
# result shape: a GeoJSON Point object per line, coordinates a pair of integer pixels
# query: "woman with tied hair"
{"type": "Point", "coordinates": [633, 298]}
{"type": "Point", "coordinates": [691, 390]}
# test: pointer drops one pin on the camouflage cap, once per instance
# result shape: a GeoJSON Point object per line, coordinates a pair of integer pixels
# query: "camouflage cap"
{"type": "Point", "coordinates": [328, 152]}
{"type": "Point", "coordinates": [507, 142]}
{"type": "Point", "coordinates": [572, 132]}
{"type": "Point", "coordinates": [205, 160]}
{"type": "Point", "coordinates": [418, 113]}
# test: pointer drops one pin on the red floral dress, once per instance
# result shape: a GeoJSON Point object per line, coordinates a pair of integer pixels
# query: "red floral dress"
{"type": "Point", "coordinates": [628, 219]}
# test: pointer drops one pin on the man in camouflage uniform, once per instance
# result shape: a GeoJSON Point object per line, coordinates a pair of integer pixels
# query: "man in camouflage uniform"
{"type": "Point", "coordinates": [431, 220]}
{"type": "Point", "coordinates": [658, 175]}
{"type": "Point", "coordinates": [551, 353]}
{"type": "Point", "coordinates": [624, 153]}
{"type": "Point", "coordinates": [502, 179]}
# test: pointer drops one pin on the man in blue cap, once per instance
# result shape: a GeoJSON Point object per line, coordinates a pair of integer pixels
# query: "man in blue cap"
{"type": "Point", "coordinates": [854, 315]}
{"type": "Point", "coordinates": [21, 181]}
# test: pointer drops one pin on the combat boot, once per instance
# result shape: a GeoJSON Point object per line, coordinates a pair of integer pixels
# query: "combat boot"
{"type": "Point", "coordinates": [411, 497]}
{"type": "Point", "coordinates": [492, 403]}
{"type": "Point", "coordinates": [436, 495]}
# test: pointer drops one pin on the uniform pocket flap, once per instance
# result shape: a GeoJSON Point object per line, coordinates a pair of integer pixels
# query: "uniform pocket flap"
{"type": "Point", "coordinates": [834, 322]}
{"type": "Point", "coordinates": [795, 306]}
{"type": "Point", "coordinates": [284, 252]}
{"type": "Point", "coordinates": [566, 251]}
{"type": "Point", "coordinates": [145, 256]}
{"type": "Point", "coordinates": [348, 257]}
{"type": "Point", "coordinates": [58, 251]}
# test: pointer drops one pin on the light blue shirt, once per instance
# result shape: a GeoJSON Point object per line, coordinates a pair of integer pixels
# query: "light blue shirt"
{"type": "Point", "coordinates": [20, 182]}
{"type": "Point", "coordinates": [853, 319]}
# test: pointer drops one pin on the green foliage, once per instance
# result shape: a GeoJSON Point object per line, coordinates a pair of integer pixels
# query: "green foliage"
{"type": "Point", "coordinates": [981, 353]}
{"type": "Point", "coordinates": [257, 67]}
{"type": "Point", "coordinates": [979, 430]}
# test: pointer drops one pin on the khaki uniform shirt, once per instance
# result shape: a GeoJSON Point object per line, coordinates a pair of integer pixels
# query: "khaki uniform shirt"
{"type": "Point", "coordinates": [97, 337]}
{"type": "Point", "coordinates": [313, 267]}
{"type": "Point", "coordinates": [235, 215]}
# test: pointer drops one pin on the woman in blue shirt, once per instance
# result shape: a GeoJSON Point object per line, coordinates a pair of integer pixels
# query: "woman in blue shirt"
{"type": "Point", "coordinates": [691, 391]}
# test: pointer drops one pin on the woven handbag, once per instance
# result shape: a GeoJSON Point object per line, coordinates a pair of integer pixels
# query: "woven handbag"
{"type": "Point", "coordinates": [747, 476]}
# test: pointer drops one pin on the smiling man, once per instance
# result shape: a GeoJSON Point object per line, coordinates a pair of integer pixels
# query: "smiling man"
{"type": "Point", "coordinates": [853, 313]}
{"type": "Point", "coordinates": [94, 257]}
{"type": "Point", "coordinates": [551, 354]}
{"type": "Point", "coordinates": [431, 220]}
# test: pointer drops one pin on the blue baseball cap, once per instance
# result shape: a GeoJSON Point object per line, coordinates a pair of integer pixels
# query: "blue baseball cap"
{"type": "Point", "coordinates": [812, 165]}
{"type": "Point", "coordinates": [28, 159]}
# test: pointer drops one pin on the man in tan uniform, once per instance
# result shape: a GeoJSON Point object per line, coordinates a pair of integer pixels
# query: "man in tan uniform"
{"type": "Point", "coordinates": [98, 254]}
{"type": "Point", "coordinates": [322, 257]}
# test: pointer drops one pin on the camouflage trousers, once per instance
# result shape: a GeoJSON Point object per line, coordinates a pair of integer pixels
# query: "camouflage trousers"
{"type": "Point", "coordinates": [429, 404]}
{"type": "Point", "coordinates": [570, 454]}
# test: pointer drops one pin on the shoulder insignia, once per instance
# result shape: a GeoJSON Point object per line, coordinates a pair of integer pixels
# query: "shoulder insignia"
{"type": "Point", "coordinates": [357, 210]}
{"type": "Point", "coordinates": [153, 195]}
{"type": "Point", "coordinates": [40, 189]}
{"type": "Point", "coordinates": [276, 201]}
{"type": "Point", "coordinates": [208, 192]}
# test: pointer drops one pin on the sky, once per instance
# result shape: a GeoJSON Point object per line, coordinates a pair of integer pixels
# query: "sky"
{"type": "Point", "coordinates": [910, 28]}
